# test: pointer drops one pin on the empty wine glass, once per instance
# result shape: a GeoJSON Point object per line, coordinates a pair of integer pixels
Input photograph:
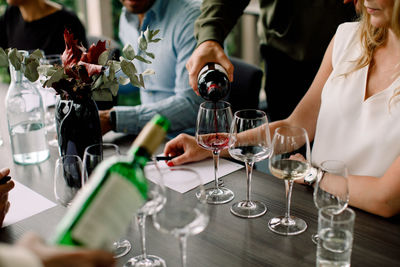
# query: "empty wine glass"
{"type": "Point", "coordinates": [182, 214]}
{"type": "Point", "coordinates": [249, 150]}
{"type": "Point", "coordinates": [154, 203]}
{"type": "Point", "coordinates": [92, 156]}
{"type": "Point", "coordinates": [212, 133]}
{"type": "Point", "coordinates": [331, 188]}
{"type": "Point", "coordinates": [67, 178]}
{"type": "Point", "coordinates": [290, 160]}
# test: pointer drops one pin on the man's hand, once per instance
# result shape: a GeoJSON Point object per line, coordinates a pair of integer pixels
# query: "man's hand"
{"type": "Point", "coordinates": [105, 122]}
{"type": "Point", "coordinates": [4, 189]}
{"type": "Point", "coordinates": [209, 51]}
{"type": "Point", "coordinates": [52, 256]}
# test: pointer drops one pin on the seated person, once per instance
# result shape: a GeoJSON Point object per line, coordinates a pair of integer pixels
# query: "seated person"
{"type": "Point", "coordinates": [168, 91]}
{"type": "Point", "coordinates": [38, 24]}
{"type": "Point", "coordinates": [351, 110]}
{"type": "Point", "coordinates": [32, 251]}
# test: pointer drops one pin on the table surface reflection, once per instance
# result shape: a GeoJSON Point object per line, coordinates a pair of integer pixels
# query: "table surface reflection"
{"type": "Point", "coordinates": [228, 240]}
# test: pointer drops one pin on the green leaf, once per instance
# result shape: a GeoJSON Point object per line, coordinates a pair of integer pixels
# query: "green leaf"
{"type": "Point", "coordinates": [46, 70]}
{"type": "Point", "coordinates": [37, 54]}
{"type": "Point", "coordinates": [141, 81]}
{"type": "Point", "coordinates": [31, 72]}
{"type": "Point", "coordinates": [3, 58]}
{"type": "Point", "coordinates": [142, 42]}
{"type": "Point", "coordinates": [143, 59]}
{"type": "Point", "coordinates": [123, 80]}
{"type": "Point", "coordinates": [15, 58]}
{"type": "Point", "coordinates": [98, 82]}
{"type": "Point", "coordinates": [55, 77]}
{"type": "Point", "coordinates": [128, 52]}
{"type": "Point", "coordinates": [114, 87]}
{"type": "Point", "coordinates": [135, 81]}
{"type": "Point", "coordinates": [128, 68]}
{"type": "Point", "coordinates": [103, 58]}
{"type": "Point", "coordinates": [102, 95]}
{"type": "Point", "coordinates": [148, 72]}
{"type": "Point", "coordinates": [156, 40]}
{"type": "Point", "coordinates": [150, 55]}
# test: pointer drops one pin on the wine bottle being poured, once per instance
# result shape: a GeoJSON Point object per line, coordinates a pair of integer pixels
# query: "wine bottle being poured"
{"type": "Point", "coordinates": [213, 82]}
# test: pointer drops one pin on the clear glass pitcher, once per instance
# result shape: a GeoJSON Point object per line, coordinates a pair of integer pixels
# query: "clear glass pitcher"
{"type": "Point", "coordinates": [25, 117]}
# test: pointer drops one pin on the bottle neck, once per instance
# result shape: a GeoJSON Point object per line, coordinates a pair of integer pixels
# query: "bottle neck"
{"type": "Point", "coordinates": [16, 75]}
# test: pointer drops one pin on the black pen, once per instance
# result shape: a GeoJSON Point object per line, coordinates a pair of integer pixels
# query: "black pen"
{"type": "Point", "coordinates": [5, 179]}
{"type": "Point", "coordinates": [158, 158]}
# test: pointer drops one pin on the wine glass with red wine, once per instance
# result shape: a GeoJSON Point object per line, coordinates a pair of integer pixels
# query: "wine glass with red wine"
{"type": "Point", "coordinates": [212, 133]}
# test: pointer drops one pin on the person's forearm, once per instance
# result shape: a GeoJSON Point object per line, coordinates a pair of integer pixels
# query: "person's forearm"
{"type": "Point", "coordinates": [217, 19]}
{"type": "Point", "coordinates": [370, 194]}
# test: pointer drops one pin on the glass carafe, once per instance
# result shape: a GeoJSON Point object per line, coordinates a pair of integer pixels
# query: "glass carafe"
{"type": "Point", "coordinates": [25, 117]}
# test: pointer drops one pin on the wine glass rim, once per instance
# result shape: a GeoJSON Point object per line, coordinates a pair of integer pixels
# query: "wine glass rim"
{"type": "Point", "coordinates": [102, 145]}
{"type": "Point", "coordinates": [260, 114]}
{"type": "Point", "coordinates": [227, 105]}
{"type": "Point", "coordinates": [69, 156]}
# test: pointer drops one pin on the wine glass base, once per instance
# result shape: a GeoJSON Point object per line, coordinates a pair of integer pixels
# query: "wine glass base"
{"type": "Point", "coordinates": [315, 238]}
{"type": "Point", "coordinates": [121, 248]}
{"type": "Point", "coordinates": [248, 209]}
{"type": "Point", "coordinates": [293, 226]}
{"type": "Point", "coordinates": [221, 195]}
{"type": "Point", "coordinates": [149, 261]}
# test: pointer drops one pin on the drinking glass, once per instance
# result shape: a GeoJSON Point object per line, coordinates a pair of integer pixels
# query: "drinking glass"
{"type": "Point", "coordinates": [290, 160]}
{"type": "Point", "coordinates": [331, 188]}
{"type": "Point", "coordinates": [154, 203]}
{"type": "Point", "coordinates": [182, 214]}
{"type": "Point", "coordinates": [92, 156]}
{"type": "Point", "coordinates": [67, 178]}
{"type": "Point", "coordinates": [335, 237]}
{"type": "Point", "coordinates": [249, 150]}
{"type": "Point", "coordinates": [212, 133]}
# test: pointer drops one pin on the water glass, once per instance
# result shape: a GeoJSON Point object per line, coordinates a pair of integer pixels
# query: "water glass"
{"type": "Point", "coordinates": [335, 241]}
{"type": "Point", "coordinates": [67, 178]}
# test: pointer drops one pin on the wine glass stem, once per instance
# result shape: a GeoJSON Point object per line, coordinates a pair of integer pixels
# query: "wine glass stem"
{"type": "Point", "coordinates": [288, 191]}
{"type": "Point", "coordinates": [182, 247]}
{"type": "Point", "coordinates": [249, 172]}
{"type": "Point", "coordinates": [216, 163]}
{"type": "Point", "coordinates": [141, 220]}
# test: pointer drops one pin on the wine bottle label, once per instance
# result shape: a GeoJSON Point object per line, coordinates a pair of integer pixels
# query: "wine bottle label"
{"type": "Point", "coordinates": [212, 66]}
{"type": "Point", "coordinates": [109, 214]}
{"type": "Point", "coordinates": [151, 136]}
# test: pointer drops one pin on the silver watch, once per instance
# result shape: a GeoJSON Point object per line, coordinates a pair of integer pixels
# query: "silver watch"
{"type": "Point", "coordinates": [311, 176]}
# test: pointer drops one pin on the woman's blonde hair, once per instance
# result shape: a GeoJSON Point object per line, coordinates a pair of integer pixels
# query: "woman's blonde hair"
{"type": "Point", "coordinates": [372, 37]}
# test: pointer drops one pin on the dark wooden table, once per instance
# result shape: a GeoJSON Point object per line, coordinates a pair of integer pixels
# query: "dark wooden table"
{"type": "Point", "coordinates": [228, 240]}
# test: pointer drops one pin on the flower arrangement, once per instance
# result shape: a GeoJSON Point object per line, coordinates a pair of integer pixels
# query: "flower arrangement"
{"type": "Point", "coordinates": [84, 73]}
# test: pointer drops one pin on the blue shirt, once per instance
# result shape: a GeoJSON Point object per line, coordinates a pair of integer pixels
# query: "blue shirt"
{"type": "Point", "coordinates": [167, 91]}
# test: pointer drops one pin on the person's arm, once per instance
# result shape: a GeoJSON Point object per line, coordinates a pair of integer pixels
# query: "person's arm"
{"type": "Point", "coordinates": [380, 195]}
{"type": "Point", "coordinates": [4, 189]}
{"type": "Point", "coordinates": [216, 20]}
{"type": "Point", "coordinates": [32, 251]}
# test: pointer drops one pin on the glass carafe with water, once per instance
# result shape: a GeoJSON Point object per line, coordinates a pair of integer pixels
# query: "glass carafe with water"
{"type": "Point", "coordinates": [25, 117]}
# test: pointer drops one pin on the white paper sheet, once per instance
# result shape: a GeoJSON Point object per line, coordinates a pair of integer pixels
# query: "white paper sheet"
{"type": "Point", "coordinates": [25, 203]}
{"type": "Point", "coordinates": [204, 168]}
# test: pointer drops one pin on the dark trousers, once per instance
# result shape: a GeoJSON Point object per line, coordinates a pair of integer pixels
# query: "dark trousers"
{"type": "Point", "coordinates": [287, 81]}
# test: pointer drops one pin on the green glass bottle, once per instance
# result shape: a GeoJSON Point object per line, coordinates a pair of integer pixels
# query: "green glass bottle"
{"type": "Point", "coordinates": [116, 189]}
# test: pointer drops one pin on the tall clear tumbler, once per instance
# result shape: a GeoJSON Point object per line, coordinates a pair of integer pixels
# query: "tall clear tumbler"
{"type": "Point", "coordinates": [335, 241]}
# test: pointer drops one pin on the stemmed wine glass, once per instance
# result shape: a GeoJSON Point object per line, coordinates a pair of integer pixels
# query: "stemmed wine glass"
{"type": "Point", "coordinates": [154, 203]}
{"type": "Point", "coordinates": [331, 188]}
{"type": "Point", "coordinates": [212, 133]}
{"type": "Point", "coordinates": [183, 215]}
{"type": "Point", "coordinates": [92, 156]}
{"type": "Point", "coordinates": [67, 178]}
{"type": "Point", "coordinates": [249, 150]}
{"type": "Point", "coordinates": [290, 160]}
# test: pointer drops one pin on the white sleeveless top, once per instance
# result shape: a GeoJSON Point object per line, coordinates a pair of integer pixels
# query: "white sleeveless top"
{"type": "Point", "coordinates": [363, 134]}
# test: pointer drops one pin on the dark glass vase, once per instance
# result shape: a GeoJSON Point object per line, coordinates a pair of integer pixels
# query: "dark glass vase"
{"type": "Point", "coordinates": [78, 126]}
